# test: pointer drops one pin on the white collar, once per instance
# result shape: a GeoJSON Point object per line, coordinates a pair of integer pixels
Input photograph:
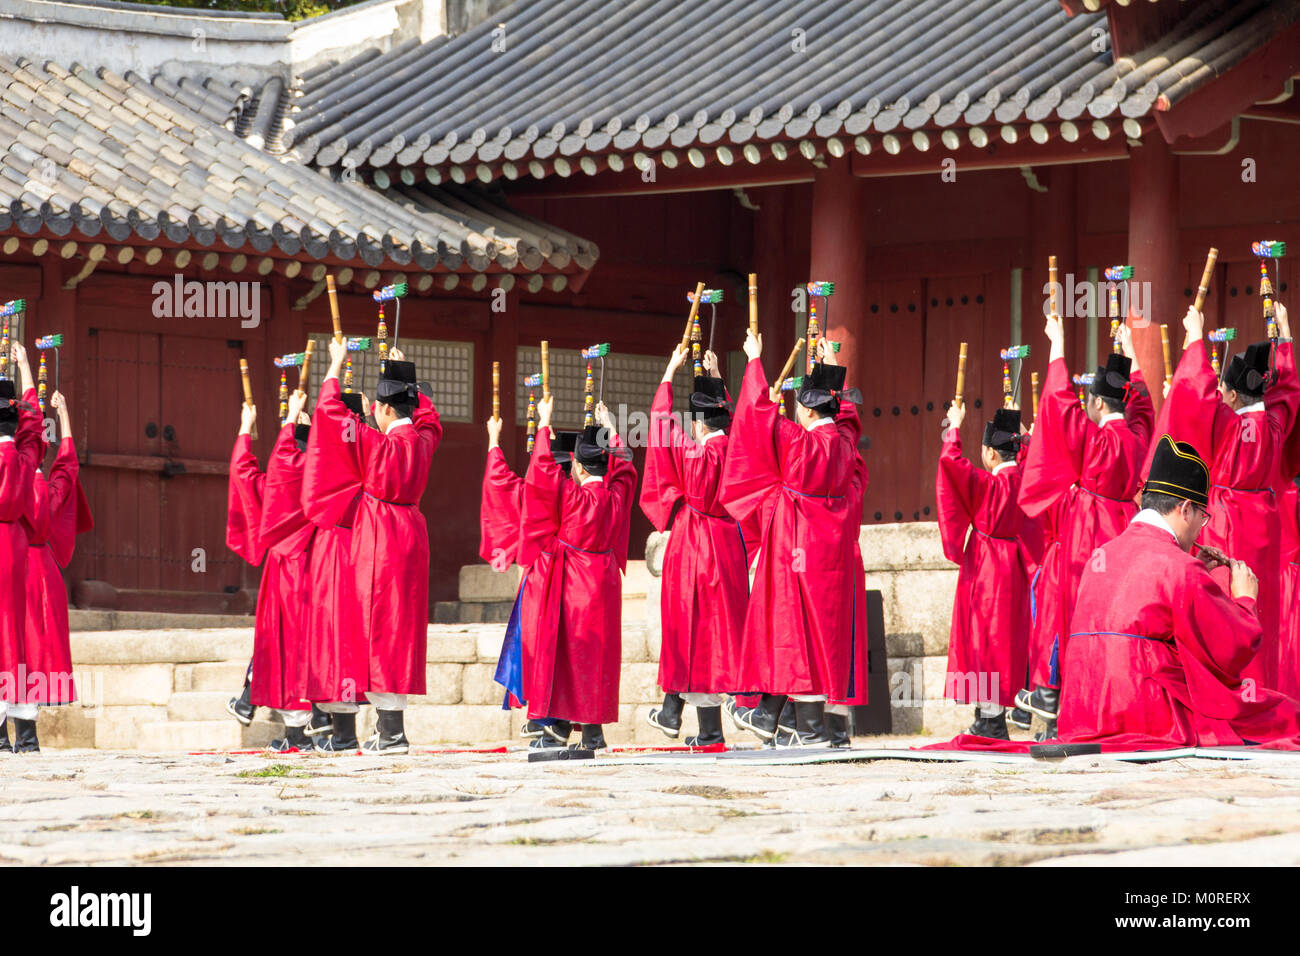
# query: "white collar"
{"type": "Point", "coordinates": [1257, 407]}
{"type": "Point", "coordinates": [820, 422]}
{"type": "Point", "coordinates": [5, 438]}
{"type": "Point", "coordinates": [1156, 520]}
{"type": "Point", "coordinates": [400, 423]}
{"type": "Point", "coordinates": [593, 480]}
{"type": "Point", "coordinates": [1110, 417]}
{"type": "Point", "coordinates": [1005, 464]}
{"type": "Point", "coordinates": [712, 435]}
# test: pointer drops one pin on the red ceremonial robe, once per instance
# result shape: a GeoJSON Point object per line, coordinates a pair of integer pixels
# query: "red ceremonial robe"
{"type": "Point", "coordinates": [244, 502]}
{"type": "Point", "coordinates": [279, 628]}
{"type": "Point", "coordinates": [859, 695]}
{"type": "Point", "coordinates": [19, 457]}
{"type": "Point", "coordinates": [1288, 677]}
{"type": "Point", "coordinates": [705, 582]}
{"type": "Point", "coordinates": [988, 643]}
{"type": "Point", "coordinates": [800, 482]}
{"type": "Point", "coordinates": [574, 540]}
{"type": "Point", "coordinates": [1090, 473]}
{"type": "Point", "coordinates": [390, 539]}
{"type": "Point", "coordinates": [1156, 653]}
{"type": "Point", "coordinates": [47, 654]}
{"type": "Point", "coordinates": [500, 505]}
{"type": "Point", "coordinates": [1242, 452]}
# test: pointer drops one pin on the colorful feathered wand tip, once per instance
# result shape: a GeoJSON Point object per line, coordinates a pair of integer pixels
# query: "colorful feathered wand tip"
{"type": "Point", "coordinates": [1118, 273]}
{"type": "Point", "coordinates": [386, 294]}
{"type": "Point", "coordinates": [290, 360]}
{"type": "Point", "coordinates": [13, 307]}
{"type": "Point", "coordinates": [789, 385]}
{"type": "Point", "coordinates": [1082, 382]}
{"type": "Point", "coordinates": [708, 296]}
{"type": "Point", "coordinates": [50, 341]}
{"type": "Point", "coordinates": [596, 351]}
{"type": "Point", "coordinates": [389, 292]}
{"type": "Point", "coordinates": [1268, 249]}
{"type": "Point", "coordinates": [821, 287]}
{"type": "Point", "coordinates": [354, 345]}
{"type": "Point", "coordinates": [1216, 336]}
{"type": "Point", "coordinates": [1015, 352]}
{"type": "Point", "coordinates": [284, 363]}
{"type": "Point", "coordinates": [44, 344]}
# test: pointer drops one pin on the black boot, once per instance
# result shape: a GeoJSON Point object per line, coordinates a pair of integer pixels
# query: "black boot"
{"type": "Point", "coordinates": [593, 738]}
{"type": "Point", "coordinates": [760, 720]}
{"type": "Point", "coordinates": [993, 727]}
{"type": "Point", "coordinates": [25, 741]}
{"type": "Point", "coordinates": [5, 746]}
{"type": "Point", "coordinates": [1019, 717]}
{"type": "Point", "coordinates": [1044, 701]}
{"type": "Point", "coordinates": [785, 726]}
{"type": "Point", "coordinates": [810, 724]}
{"type": "Point", "coordinates": [319, 723]}
{"type": "Point", "coordinates": [669, 717]}
{"type": "Point", "coordinates": [837, 725]}
{"type": "Point", "coordinates": [344, 736]}
{"type": "Point", "coordinates": [241, 707]}
{"type": "Point", "coordinates": [710, 735]}
{"type": "Point", "coordinates": [553, 736]}
{"type": "Point", "coordinates": [1048, 732]}
{"type": "Point", "coordinates": [295, 739]}
{"type": "Point", "coordinates": [390, 736]}
{"type": "Point", "coordinates": [532, 729]}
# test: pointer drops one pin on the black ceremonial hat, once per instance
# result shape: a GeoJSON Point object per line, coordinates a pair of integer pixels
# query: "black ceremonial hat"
{"type": "Point", "coordinates": [562, 445]}
{"type": "Point", "coordinates": [709, 401]}
{"type": "Point", "coordinates": [1249, 373]}
{"type": "Point", "coordinates": [592, 449]}
{"type": "Point", "coordinates": [1177, 469]}
{"type": "Point", "coordinates": [8, 408]}
{"type": "Point", "coordinates": [1111, 380]}
{"type": "Point", "coordinates": [397, 383]}
{"type": "Point", "coordinates": [1003, 433]}
{"type": "Point", "coordinates": [823, 388]}
{"type": "Point", "coordinates": [300, 433]}
{"type": "Point", "coordinates": [353, 402]}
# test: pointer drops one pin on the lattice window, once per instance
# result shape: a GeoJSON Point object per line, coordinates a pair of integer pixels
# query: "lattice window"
{"type": "Point", "coordinates": [447, 366]}
{"type": "Point", "coordinates": [630, 380]}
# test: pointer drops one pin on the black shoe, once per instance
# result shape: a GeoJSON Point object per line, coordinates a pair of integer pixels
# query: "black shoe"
{"type": "Point", "coordinates": [344, 736]}
{"type": "Point", "coordinates": [593, 738]}
{"type": "Point", "coordinates": [993, 727]}
{"type": "Point", "coordinates": [390, 735]}
{"type": "Point", "coordinates": [760, 720]}
{"type": "Point", "coordinates": [710, 734]}
{"type": "Point", "coordinates": [295, 740]}
{"type": "Point", "coordinates": [558, 732]}
{"type": "Point", "coordinates": [838, 727]}
{"type": "Point", "coordinates": [1044, 701]}
{"type": "Point", "coordinates": [547, 742]}
{"type": "Point", "coordinates": [319, 722]}
{"type": "Point", "coordinates": [531, 729]}
{"type": "Point", "coordinates": [1019, 717]}
{"type": "Point", "coordinates": [241, 707]}
{"type": "Point", "coordinates": [809, 725]}
{"type": "Point", "coordinates": [25, 741]}
{"type": "Point", "coordinates": [669, 717]}
{"type": "Point", "coordinates": [1048, 732]}
{"type": "Point", "coordinates": [785, 726]}
{"type": "Point", "coordinates": [5, 746]}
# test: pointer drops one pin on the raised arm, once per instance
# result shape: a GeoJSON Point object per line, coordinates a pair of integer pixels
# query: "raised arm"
{"type": "Point", "coordinates": [664, 484]}
{"type": "Point", "coordinates": [753, 468]}
{"type": "Point", "coordinates": [958, 488]}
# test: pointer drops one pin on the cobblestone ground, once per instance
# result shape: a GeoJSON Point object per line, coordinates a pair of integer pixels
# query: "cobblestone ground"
{"type": "Point", "coordinates": [90, 807]}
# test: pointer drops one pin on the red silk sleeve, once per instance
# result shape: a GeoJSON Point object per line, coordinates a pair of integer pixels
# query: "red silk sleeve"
{"type": "Point", "coordinates": [663, 485]}
{"type": "Point", "coordinates": [957, 491]}
{"type": "Point", "coordinates": [333, 475]}
{"type": "Point", "coordinates": [1054, 461]}
{"type": "Point", "coordinates": [540, 520]}
{"type": "Point", "coordinates": [753, 468]}
{"type": "Point", "coordinates": [244, 502]}
{"type": "Point", "coordinates": [500, 507]}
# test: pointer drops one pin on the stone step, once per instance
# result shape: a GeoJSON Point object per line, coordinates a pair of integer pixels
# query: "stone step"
{"type": "Point", "coordinates": [226, 677]}
{"type": "Point", "coordinates": [200, 705]}
{"type": "Point", "coordinates": [189, 735]}
{"type": "Point", "coordinates": [84, 619]}
{"type": "Point", "coordinates": [460, 612]}
{"type": "Point", "coordinates": [162, 646]}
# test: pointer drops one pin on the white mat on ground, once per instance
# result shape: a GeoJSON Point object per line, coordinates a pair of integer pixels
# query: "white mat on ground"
{"type": "Point", "coordinates": [769, 757]}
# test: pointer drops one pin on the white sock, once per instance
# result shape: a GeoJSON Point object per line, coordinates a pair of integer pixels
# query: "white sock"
{"type": "Point", "coordinates": [991, 710]}
{"type": "Point", "coordinates": [383, 701]}
{"type": "Point", "coordinates": [295, 718]}
{"type": "Point", "coordinates": [702, 700]}
{"type": "Point", "coordinates": [336, 707]}
{"type": "Point", "coordinates": [22, 711]}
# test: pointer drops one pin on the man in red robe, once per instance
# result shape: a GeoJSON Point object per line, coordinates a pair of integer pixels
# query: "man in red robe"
{"type": "Point", "coordinates": [285, 534]}
{"type": "Point", "coordinates": [389, 467]}
{"type": "Point", "coordinates": [798, 635]}
{"type": "Point", "coordinates": [1157, 649]}
{"type": "Point", "coordinates": [46, 650]}
{"type": "Point", "coordinates": [1288, 508]}
{"type": "Point", "coordinates": [20, 443]}
{"type": "Point", "coordinates": [989, 639]}
{"type": "Point", "coordinates": [1086, 463]}
{"type": "Point", "coordinates": [244, 487]}
{"type": "Point", "coordinates": [574, 539]}
{"type": "Point", "coordinates": [705, 582]}
{"type": "Point", "coordinates": [1241, 424]}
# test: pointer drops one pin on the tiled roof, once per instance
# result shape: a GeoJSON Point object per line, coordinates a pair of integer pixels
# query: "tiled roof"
{"type": "Point", "coordinates": [99, 153]}
{"type": "Point", "coordinates": [584, 78]}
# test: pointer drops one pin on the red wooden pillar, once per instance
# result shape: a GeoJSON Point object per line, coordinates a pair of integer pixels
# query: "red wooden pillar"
{"type": "Point", "coordinates": [839, 253]}
{"type": "Point", "coordinates": [780, 261]}
{"type": "Point", "coordinates": [1153, 253]}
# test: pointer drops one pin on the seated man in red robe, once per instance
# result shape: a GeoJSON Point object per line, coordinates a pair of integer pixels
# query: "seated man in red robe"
{"type": "Point", "coordinates": [705, 573]}
{"type": "Point", "coordinates": [1157, 649]}
{"type": "Point", "coordinates": [988, 643]}
{"type": "Point", "coordinates": [574, 539]}
{"type": "Point", "coordinates": [798, 640]}
{"type": "Point", "coordinates": [389, 466]}
{"type": "Point", "coordinates": [1086, 463]}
